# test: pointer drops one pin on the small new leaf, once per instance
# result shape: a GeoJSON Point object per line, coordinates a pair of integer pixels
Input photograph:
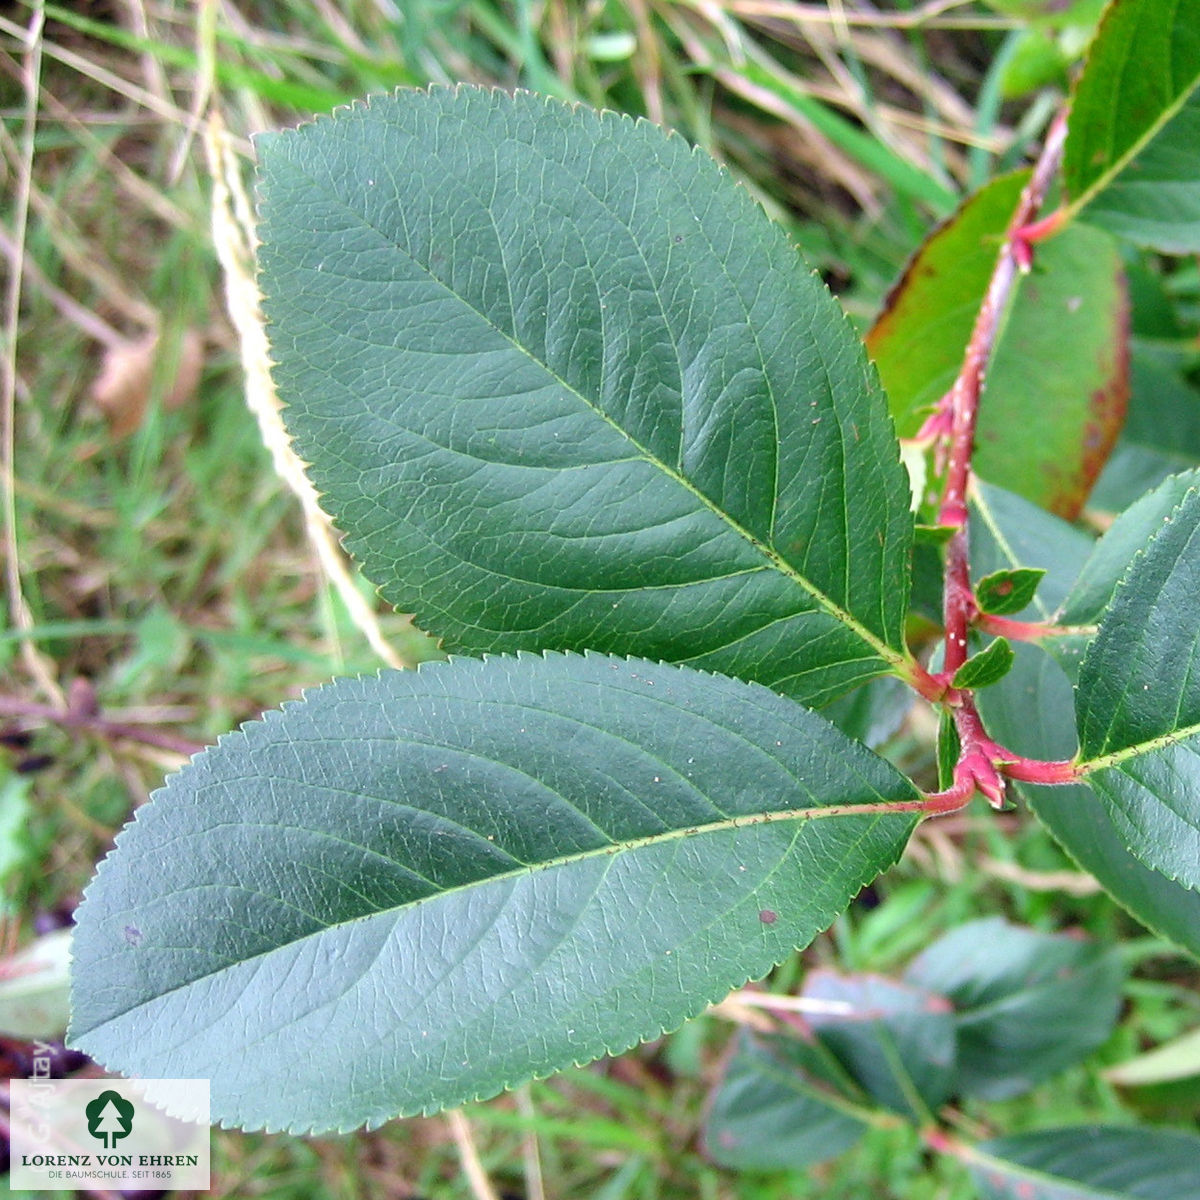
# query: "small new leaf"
{"type": "Point", "coordinates": [934, 535]}
{"type": "Point", "coordinates": [986, 667]}
{"type": "Point", "coordinates": [1005, 592]}
{"type": "Point", "coordinates": [949, 748]}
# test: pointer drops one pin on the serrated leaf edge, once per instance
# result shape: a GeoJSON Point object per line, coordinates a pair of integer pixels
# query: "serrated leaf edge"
{"type": "Point", "coordinates": [898, 661]}
{"type": "Point", "coordinates": [1087, 766]}
{"type": "Point", "coordinates": [248, 728]}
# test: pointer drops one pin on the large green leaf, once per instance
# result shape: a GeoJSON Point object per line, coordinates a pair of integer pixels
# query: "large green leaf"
{"type": "Point", "coordinates": [1138, 701]}
{"type": "Point", "coordinates": [1141, 66]}
{"type": "Point", "coordinates": [1031, 711]}
{"type": "Point", "coordinates": [1058, 381]}
{"type": "Point", "coordinates": [1115, 551]}
{"type": "Point", "coordinates": [415, 889]}
{"type": "Point", "coordinates": [1028, 1003]}
{"type": "Point", "coordinates": [1155, 201]}
{"type": "Point", "coordinates": [1090, 1162]}
{"type": "Point", "coordinates": [563, 385]}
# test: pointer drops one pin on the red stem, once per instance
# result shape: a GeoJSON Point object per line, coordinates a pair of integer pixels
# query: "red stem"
{"type": "Point", "coordinates": [1033, 770]}
{"type": "Point", "coordinates": [980, 757]}
{"type": "Point", "coordinates": [92, 722]}
{"type": "Point", "coordinates": [962, 401]}
{"type": "Point", "coordinates": [1026, 631]}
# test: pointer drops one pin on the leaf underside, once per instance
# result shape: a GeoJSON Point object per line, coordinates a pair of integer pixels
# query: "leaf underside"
{"type": "Point", "coordinates": [417, 889]}
{"type": "Point", "coordinates": [781, 1105]}
{"type": "Point", "coordinates": [564, 385]}
{"type": "Point", "coordinates": [1028, 1003]}
{"type": "Point", "coordinates": [896, 1041]}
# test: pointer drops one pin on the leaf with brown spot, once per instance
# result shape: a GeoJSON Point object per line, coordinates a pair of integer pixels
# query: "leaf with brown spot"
{"type": "Point", "coordinates": [1056, 393]}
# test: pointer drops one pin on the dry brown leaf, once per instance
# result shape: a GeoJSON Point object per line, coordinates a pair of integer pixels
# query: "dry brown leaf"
{"type": "Point", "coordinates": [130, 370]}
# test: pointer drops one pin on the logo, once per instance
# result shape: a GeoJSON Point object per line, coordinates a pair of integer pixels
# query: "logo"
{"type": "Point", "coordinates": [108, 1136]}
{"type": "Point", "coordinates": [109, 1118]}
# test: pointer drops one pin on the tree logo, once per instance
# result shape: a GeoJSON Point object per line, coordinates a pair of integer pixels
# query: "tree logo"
{"type": "Point", "coordinates": [109, 1118]}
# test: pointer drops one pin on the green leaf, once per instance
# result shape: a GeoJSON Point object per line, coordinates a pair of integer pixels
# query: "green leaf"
{"type": "Point", "coordinates": [1037, 60]}
{"type": "Point", "coordinates": [416, 889]}
{"type": "Point", "coordinates": [1031, 711]}
{"type": "Point", "coordinates": [1140, 68]}
{"type": "Point", "coordinates": [1005, 592]}
{"type": "Point", "coordinates": [1137, 705]}
{"type": "Point", "coordinates": [563, 385]}
{"type": "Point", "coordinates": [1058, 382]}
{"type": "Point", "coordinates": [781, 1105]}
{"type": "Point", "coordinates": [949, 749]}
{"type": "Point", "coordinates": [896, 1041]}
{"type": "Point", "coordinates": [919, 337]}
{"type": "Point", "coordinates": [1008, 533]}
{"type": "Point", "coordinates": [987, 667]}
{"type": "Point", "coordinates": [1116, 550]}
{"type": "Point", "coordinates": [1028, 1003]}
{"type": "Point", "coordinates": [1161, 434]}
{"type": "Point", "coordinates": [1089, 1162]}
{"type": "Point", "coordinates": [1155, 201]}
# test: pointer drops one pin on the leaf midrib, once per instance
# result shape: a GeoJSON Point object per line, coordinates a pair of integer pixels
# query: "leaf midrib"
{"type": "Point", "coordinates": [1116, 757]}
{"type": "Point", "coordinates": [729, 824]}
{"type": "Point", "coordinates": [895, 658]}
{"type": "Point", "coordinates": [1118, 165]}
{"type": "Point", "coordinates": [1037, 1175]}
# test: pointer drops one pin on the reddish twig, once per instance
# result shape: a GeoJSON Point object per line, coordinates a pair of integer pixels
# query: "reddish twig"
{"type": "Point", "coordinates": [83, 714]}
{"type": "Point", "coordinates": [1028, 631]}
{"type": "Point", "coordinates": [982, 763]}
{"type": "Point", "coordinates": [962, 401]}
